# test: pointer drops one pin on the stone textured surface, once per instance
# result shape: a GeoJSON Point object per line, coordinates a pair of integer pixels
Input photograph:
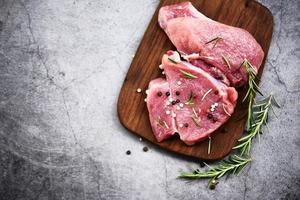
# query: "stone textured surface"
{"type": "Point", "coordinates": [62, 64]}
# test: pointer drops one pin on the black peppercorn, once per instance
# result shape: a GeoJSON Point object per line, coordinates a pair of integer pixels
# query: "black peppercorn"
{"type": "Point", "coordinates": [224, 130]}
{"type": "Point", "coordinates": [145, 149]}
{"type": "Point", "coordinates": [216, 92]}
{"type": "Point", "coordinates": [186, 125]}
{"type": "Point", "coordinates": [214, 119]}
{"type": "Point", "coordinates": [167, 94]}
{"type": "Point", "coordinates": [177, 93]}
{"type": "Point", "coordinates": [209, 116]}
{"type": "Point", "coordinates": [173, 102]}
{"type": "Point", "coordinates": [212, 184]}
{"type": "Point", "coordinates": [177, 100]}
{"type": "Point", "coordinates": [159, 94]}
{"type": "Point", "coordinates": [128, 152]}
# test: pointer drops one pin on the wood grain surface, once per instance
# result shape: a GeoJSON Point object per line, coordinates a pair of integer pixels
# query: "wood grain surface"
{"type": "Point", "coordinates": [132, 109]}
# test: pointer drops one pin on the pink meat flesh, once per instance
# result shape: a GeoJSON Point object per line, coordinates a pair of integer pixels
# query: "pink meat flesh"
{"type": "Point", "coordinates": [195, 36]}
{"type": "Point", "coordinates": [211, 102]}
{"type": "Point", "coordinates": [163, 125]}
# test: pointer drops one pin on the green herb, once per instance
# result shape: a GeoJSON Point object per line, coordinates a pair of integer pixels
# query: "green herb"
{"type": "Point", "coordinates": [173, 61]}
{"type": "Point", "coordinates": [226, 61]}
{"type": "Point", "coordinates": [206, 93]}
{"type": "Point", "coordinates": [161, 123]}
{"type": "Point", "coordinates": [252, 89]}
{"type": "Point", "coordinates": [225, 110]}
{"type": "Point", "coordinates": [190, 100]}
{"type": "Point", "coordinates": [188, 75]}
{"type": "Point", "coordinates": [259, 117]}
{"type": "Point", "coordinates": [233, 165]}
{"type": "Point", "coordinates": [215, 40]}
{"type": "Point", "coordinates": [209, 145]}
{"type": "Point", "coordinates": [196, 121]}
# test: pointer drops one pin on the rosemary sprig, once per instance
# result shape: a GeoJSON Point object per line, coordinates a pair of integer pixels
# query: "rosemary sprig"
{"type": "Point", "coordinates": [252, 89]}
{"type": "Point", "coordinates": [259, 117]}
{"type": "Point", "coordinates": [233, 165]}
{"type": "Point", "coordinates": [188, 75]}
{"type": "Point", "coordinates": [190, 100]}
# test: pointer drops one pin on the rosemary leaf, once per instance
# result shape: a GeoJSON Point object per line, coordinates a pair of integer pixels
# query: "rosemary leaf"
{"type": "Point", "coordinates": [196, 121]}
{"type": "Point", "coordinates": [173, 61]}
{"type": "Point", "coordinates": [209, 145]}
{"type": "Point", "coordinates": [226, 61]}
{"type": "Point", "coordinates": [190, 100]}
{"type": "Point", "coordinates": [206, 93]}
{"type": "Point", "coordinates": [188, 75]}
{"type": "Point", "coordinates": [215, 40]}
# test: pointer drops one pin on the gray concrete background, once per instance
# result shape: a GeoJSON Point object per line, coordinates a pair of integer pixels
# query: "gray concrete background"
{"type": "Point", "coordinates": [62, 64]}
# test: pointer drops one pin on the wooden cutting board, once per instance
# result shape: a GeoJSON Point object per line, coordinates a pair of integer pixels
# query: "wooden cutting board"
{"type": "Point", "coordinates": [132, 109]}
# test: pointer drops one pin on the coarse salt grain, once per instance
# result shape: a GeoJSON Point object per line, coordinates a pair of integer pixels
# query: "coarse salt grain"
{"type": "Point", "coordinates": [179, 83]}
{"type": "Point", "coordinates": [180, 125]}
{"type": "Point", "coordinates": [168, 103]}
{"type": "Point", "coordinates": [145, 100]}
{"type": "Point", "coordinates": [160, 66]}
{"type": "Point", "coordinates": [173, 115]}
{"type": "Point", "coordinates": [178, 108]}
{"type": "Point", "coordinates": [181, 105]}
{"type": "Point", "coordinates": [168, 112]}
{"type": "Point", "coordinates": [139, 90]}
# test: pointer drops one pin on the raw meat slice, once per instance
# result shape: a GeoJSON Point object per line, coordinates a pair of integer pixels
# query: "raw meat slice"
{"type": "Point", "coordinates": [202, 103]}
{"type": "Point", "coordinates": [160, 109]}
{"type": "Point", "coordinates": [201, 39]}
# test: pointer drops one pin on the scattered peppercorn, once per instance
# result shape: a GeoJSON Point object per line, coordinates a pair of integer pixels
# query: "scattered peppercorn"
{"type": "Point", "coordinates": [224, 130]}
{"type": "Point", "coordinates": [159, 94]}
{"type": "Point", "coordinates": [173, 102]}
{"type": "Point", "coordinates": [209, 116]}
{"type": "Point", "coordinates": [212, 184]}
{"type": "Point", "coordinates": [186, 125]}
{"type": "Point", "coordinates": [216, 92]}
{"type": "Point", "coordinates": [167, 94]}
{"type": "Point", "coordinates": [177, 93]}
{"type": "Point", "coordinates": [128, 152]}
{"type": "Point", "coordinates": [145, 149]}
{"type": "Point", "coordinates": [177, 100]}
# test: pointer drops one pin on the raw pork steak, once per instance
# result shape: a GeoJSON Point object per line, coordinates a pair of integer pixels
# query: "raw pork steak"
{"type": "Point", "coordinates": [204, 103]}
{"type": "Point", "coordinates": [197, 102]}
{"type": "Point", "coordinates": [200, 39]}
{"type": "Point", "coordinates": [160, 109]}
